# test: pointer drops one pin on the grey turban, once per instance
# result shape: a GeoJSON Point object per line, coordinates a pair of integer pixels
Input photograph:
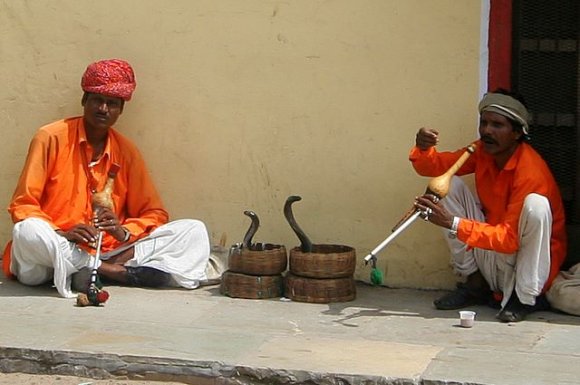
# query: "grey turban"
{"type": "Point", "coordinates": [507, 106]}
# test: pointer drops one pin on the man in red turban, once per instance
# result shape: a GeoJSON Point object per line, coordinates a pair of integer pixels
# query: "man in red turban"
{"type": "Point", "coordinates": [55, 224]}
{"type": "Point", "coordinates": [113, 77]}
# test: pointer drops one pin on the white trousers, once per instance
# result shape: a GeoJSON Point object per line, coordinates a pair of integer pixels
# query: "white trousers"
{"type": "Point", "coordinates": [527, 270]}
{"type": "Point", "coordinates": [180, 248]}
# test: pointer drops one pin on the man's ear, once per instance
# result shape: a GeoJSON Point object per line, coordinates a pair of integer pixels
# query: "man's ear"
{"type": "Point", "coordinates": [518, 134]}
{"type": "Point", "coordinates": [84, 99]}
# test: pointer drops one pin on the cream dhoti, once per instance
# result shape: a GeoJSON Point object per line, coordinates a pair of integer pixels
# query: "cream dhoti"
{"type": "Point", "coordinates": [180, 248]}
{"type": "Point", "coordinates": [528, 269]}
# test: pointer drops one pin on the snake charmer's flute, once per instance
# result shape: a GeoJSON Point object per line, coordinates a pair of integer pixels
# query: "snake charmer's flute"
{"type": "Point", "coordinates": [438, 186]}
{"type": "Point", "coordinates": [102, 199]}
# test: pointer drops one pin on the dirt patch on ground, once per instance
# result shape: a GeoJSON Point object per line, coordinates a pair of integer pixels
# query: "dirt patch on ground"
{"type": "Point", "coordinates": [33, 379]}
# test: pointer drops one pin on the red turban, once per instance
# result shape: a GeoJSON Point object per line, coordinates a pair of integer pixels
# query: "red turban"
{"type": "Point", "coordinates": [113, 78]}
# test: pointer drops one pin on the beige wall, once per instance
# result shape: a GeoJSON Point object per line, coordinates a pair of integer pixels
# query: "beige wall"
{"type": "Point", "coordinates": [240, 104]}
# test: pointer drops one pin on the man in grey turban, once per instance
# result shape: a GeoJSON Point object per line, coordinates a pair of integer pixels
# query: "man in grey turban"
{"type": "Point", "coordinates": [508, 239]}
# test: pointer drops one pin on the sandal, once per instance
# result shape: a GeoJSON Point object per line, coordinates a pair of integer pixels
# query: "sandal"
{"type": "Point", "coordinates": [515, 311]}
{"type": "Point", "coordinates": [459, 298]}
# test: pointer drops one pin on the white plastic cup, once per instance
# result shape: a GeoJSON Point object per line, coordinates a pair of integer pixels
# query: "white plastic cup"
{"type": "Point", "coordinates": [466, 318]}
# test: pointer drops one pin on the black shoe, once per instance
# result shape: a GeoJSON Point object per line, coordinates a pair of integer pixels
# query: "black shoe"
{"type": "Point", "coordinates": [460, 298]}
{"type": "Point", "coordinates": [515, 311]}
{"type": "Point", "coordinates": [147, 277]}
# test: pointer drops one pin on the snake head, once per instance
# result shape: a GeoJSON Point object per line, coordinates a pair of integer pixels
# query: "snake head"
{"type": "Point", "coordinates": [305, 243]}
{"type": "Point", "coordinates": [247, 243]}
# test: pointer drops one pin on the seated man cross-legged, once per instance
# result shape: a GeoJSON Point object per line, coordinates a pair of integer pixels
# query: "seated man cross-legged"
{"type": "Point", "coordinates": [55, 225]}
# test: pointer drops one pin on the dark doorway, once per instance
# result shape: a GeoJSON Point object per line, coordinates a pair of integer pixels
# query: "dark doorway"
{"type": "Point", "coordinates": [546, 72]}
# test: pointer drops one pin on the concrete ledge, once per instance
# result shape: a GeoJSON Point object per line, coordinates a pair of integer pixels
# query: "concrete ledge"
{"type": "Point", "coordinates": [107, 366]}
{"type": "Point", "coordinates": [385, 337]}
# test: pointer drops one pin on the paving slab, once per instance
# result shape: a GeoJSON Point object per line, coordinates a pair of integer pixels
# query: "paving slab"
{"type": "Point", "coordinates": [384, 336]}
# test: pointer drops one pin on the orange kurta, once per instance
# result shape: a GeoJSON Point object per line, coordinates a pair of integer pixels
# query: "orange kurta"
{"type": "Point", "coordinates": [57, 181]}
{"type": "Point", "coordinates": [502, 194]}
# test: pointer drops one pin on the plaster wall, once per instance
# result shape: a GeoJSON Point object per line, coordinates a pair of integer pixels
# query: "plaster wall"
{"type": "Point", "coordinates": [240, 104]}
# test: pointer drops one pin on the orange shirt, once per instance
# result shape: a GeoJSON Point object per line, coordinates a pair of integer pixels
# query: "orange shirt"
{"type": "Point", "coordinates": [57, 181]}
{"type": "Point", "coordinates": [502, 194]}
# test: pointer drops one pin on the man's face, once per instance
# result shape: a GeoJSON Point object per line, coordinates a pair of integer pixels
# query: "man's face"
{"type": "Point", "coordinates": [101, 111]}
{"type": "Point", "coordinates": [497, 134]}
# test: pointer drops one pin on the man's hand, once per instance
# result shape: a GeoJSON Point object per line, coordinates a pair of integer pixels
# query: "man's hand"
{"type": "Point", "coordinates": [106, 220]}
{"type": "Point", "coordinates": [426, 138]}
{"type": "Point", "coordinates": [435, 213]}
{"type": "Point", "coordinates": [80, 233]}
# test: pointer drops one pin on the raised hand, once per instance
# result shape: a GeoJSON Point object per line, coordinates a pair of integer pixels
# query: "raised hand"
{"type": "Point", "coordinates": [426, 137]}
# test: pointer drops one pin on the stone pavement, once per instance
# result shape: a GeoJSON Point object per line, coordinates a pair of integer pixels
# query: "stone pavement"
{"type": "Point", "coordinates": [385, 336]}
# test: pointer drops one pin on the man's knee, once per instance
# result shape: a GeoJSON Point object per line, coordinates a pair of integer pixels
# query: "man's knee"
{"type": "Point", "coordinates": [456, 186]}
{"type": "Point", "coordinates": [184, 226]}
{"type": "Point", "coordinates": [27, 229]}
{"type": "Point", "coordinates": [193, 224]}
{"type": "Point", "coordinates": [537, 207]}
{"type": "Point", "coordinates": [31, 231]}
{"type": "Point", "coordinates": [34, 275]}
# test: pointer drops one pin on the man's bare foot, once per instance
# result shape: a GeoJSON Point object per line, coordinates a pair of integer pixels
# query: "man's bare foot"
{"type": "Point", "coordinates": [113, 271]}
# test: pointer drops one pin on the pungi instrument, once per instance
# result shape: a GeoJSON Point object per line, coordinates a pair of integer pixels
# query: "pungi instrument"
{"type": "Point", "coordinates": [438, 186]}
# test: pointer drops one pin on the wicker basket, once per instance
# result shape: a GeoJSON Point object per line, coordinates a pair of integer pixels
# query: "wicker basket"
{"type": "Point", "coordinates": [314, 290]}
{"type": "Point", "coordinates": [237, 285]}
{"type": "Point", "coordinates": [325, 261]}
{"type": "Point", "coordinates": [260, 259]}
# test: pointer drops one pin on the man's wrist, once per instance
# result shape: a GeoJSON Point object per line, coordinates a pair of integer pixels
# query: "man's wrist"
{"type": "Point", "coordinates": [126, 234]}
{"type": "Point", "coordinates": [454, 227]}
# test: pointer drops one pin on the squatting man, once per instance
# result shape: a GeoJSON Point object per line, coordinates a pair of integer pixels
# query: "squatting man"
{"type": "Point", "coordinates": [508, 239]}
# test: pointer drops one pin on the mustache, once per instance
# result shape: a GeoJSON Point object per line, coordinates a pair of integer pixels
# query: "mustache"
{"type": "Point", "coordinates": [488, 139]}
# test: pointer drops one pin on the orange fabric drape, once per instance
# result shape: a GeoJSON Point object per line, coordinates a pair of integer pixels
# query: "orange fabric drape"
{"type": "Point", "coordinates": [6, 260]}
{"type": "Point", "coordinates": [502, 194]}
{"type": "Point", "coordinates": [56, 183]}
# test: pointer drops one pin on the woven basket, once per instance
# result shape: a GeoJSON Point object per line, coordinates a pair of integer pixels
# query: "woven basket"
{"type": "Point", "coordinates": [314, 290]}
{"type": "Point", "coordinates": [237, 285]}
{"type": "Point", "coordinates": [325, 261]}
{"type": "Point", "coordinates": [260, 259]}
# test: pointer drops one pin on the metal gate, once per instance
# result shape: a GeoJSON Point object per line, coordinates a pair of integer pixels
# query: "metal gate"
{"type": "Point", "coordinates": [546, 72]}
